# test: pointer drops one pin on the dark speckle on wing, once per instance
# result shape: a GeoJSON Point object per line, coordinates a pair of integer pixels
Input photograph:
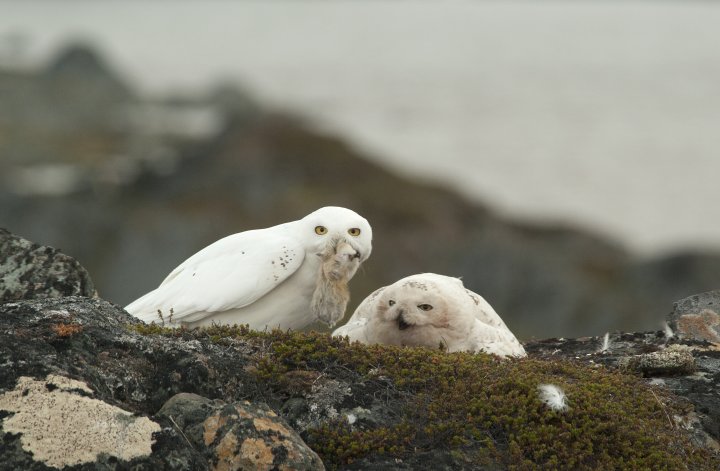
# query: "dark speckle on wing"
{"type": "Point", "coordinates": [286, 258]}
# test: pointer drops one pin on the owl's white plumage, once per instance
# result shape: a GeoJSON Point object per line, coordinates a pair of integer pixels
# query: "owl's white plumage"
{"type": "Point", "coordinates": [264, 277]}
{"type": "Point", "coordinates": [431, 310]}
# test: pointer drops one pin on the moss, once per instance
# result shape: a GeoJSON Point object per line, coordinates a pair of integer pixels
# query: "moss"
{"type": "Point", "coordinates": [152, 329]}
{"type": "Point", "coordinates": [479, 406]}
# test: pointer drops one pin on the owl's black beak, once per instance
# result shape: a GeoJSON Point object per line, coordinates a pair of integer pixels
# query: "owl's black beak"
{"type": "Point", "coordinates": [402, 325]}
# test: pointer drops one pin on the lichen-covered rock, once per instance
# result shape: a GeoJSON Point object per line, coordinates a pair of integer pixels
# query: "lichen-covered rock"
{"type": "Point", "coordinates": [674, 360]}
{"type": "Point", "coordinates": [85, 342]}
{"type": "Point", "coordinates": [61, 426]}
{"type": "Point", "coordinates": [29, 271]}
{"type": "Point", "coordinates": [239, 435]}
{"type": "Point", "coordinates": [91, 339]}
{"type": "Point", "coordinates": [697, 317]}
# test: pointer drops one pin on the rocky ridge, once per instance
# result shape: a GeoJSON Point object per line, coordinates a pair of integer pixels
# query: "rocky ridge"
{"type": "Point", "coordinates": [230, 398]}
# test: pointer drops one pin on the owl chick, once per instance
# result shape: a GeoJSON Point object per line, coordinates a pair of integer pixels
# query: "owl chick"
{"type": "Point", "coordinates": [433, 311]}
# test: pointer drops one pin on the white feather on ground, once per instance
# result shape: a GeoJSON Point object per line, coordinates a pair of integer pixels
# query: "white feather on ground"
{"type": "Point", "coordinates": [431, 310]}
{"type": "Point", "coordinates": [606, 343]}
{"type": "Point", "coordinates": [668, 331]}
{"type": "Point", "coordinates": [285, 276]}
{"type": "Point", "coordinates": [553, 397]}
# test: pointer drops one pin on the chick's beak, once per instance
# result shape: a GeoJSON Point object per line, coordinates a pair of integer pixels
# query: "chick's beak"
{"type": "Point", "coordinates": [402, 325]}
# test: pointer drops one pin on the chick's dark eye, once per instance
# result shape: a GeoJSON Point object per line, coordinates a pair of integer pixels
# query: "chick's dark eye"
{"type": "Point", "coordinates": [425, 307]}
{"type": "Point", "coordinates": [391, 303]}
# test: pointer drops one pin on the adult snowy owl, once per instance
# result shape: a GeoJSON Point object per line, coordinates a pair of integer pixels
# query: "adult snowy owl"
{"type": "Point", "coordinates": [285, 276]}
{"type": "Point", "coordinates": [431, 310]}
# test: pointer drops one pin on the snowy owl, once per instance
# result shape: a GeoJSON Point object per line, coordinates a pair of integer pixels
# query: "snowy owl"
{"type": "Point", "coordinates": [431, 310]}
{"type": "Point", "coordinates": [286, 276]}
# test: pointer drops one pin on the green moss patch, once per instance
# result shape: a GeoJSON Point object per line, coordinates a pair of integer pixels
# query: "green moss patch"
{"type": "Point", "coordinates": [478, 406]}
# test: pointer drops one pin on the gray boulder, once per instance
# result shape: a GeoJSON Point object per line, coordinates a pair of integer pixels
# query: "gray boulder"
{"type": "Point", "coordinates": [30, 271]}
{"type": "Point", "coordinates": [241, 435]}
{"type": "Point", "coordinates": [697, 317]}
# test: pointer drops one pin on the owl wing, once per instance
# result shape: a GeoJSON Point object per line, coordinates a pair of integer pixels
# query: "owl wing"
{"type": "Point", "coordinates": [482, 310]}
{"type": "Point", "coordinates": [497, 340]}
{"type": "Point", "coordinates": [228, 274]}
{"type": "Point", "coordinates": [354, 330]}
{"type": "Point", "coordinates": [355, 327]}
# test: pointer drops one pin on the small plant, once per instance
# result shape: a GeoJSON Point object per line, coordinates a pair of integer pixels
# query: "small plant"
{"type": "Point", "coordinates": [64, 330]}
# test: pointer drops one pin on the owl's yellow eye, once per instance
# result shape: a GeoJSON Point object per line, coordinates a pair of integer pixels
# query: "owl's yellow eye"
{"type": "Point", "coordinates": [425, 307]}
{"type": "Point", "coordinates": [320, 230]}
{"type": "Point", "coordinates": [391, 303]}
{"type": "Point", "coordinates": [354, 232]}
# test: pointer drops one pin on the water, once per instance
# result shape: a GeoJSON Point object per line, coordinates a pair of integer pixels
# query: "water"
{"type": "Point", "coordinates": [604, 114]}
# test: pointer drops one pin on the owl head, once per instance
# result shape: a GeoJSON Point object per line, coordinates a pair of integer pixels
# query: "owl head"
{"type": "Point", "coordinates": [333, 226]}
{"type": "Point", "coordinates": [416, 311]}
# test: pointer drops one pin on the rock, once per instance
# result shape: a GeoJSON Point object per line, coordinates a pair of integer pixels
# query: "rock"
{"type": "Point", "coordinates": [29, 271]}
{"type": "Point", "coordinates": [188, 411]}
{"type": "Point", "coordinates": [95, 344]}
{"type": "Point", "coordinates": [697, 317]}
{"type": "Point", "coordinates": [84, 342]}
{"type": "Point", "coordinates": [674, 360]}
{"type": "Point", "coordinates": [62, 427]}
{"type": "Point", "coordinates": [239, 435]}
{"type": "Point", "coordinates": [79, 65]}
{"type": "Point", "coordinates": [75, 337]}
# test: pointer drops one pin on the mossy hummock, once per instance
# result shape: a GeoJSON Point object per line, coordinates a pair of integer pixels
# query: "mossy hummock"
{"type": "Point", "coordinates": [482, 408]}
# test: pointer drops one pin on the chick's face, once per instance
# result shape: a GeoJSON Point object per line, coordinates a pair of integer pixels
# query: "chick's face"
{"type": "Point", "coordinates": [410, 307]}
{"type": "Point", "coordinates": [413, 314]}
